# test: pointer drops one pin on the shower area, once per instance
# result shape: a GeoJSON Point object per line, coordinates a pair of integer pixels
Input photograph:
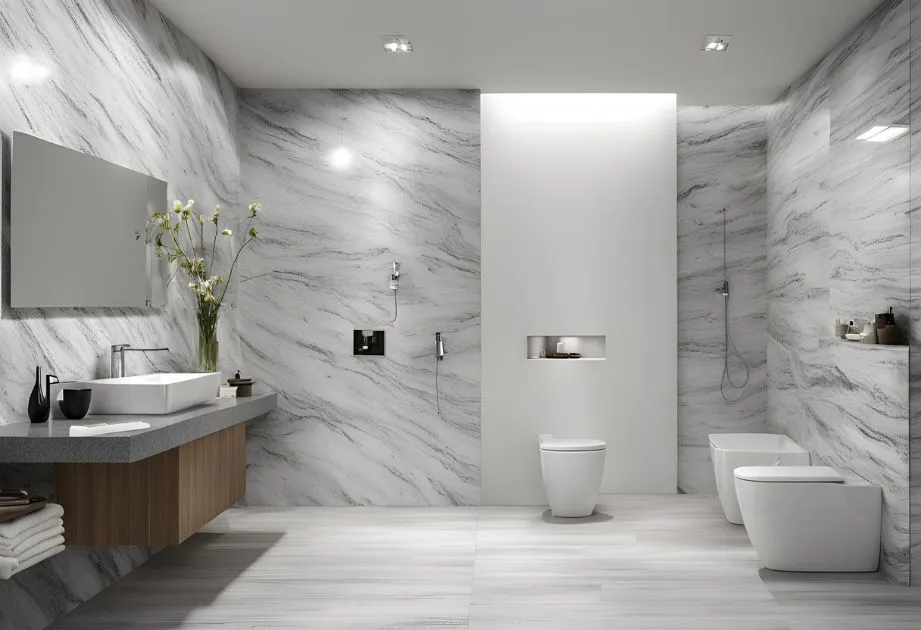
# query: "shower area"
{"type": "Point", "coordinates": [722, 282]}
{"type": "Point", "coordinates": [821, 204]}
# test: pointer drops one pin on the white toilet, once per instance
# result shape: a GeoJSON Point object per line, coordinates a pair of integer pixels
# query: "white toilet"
{"type": "Point", "coordinates": [571, 470]}
{"type": "Point", "coordinates": [810, 518]}
{"type": "Point", "coordinates": [728, 451]}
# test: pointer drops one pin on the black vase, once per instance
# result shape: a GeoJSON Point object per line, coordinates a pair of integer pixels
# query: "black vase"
{"type": "Point", "coordinates": [40, 401]}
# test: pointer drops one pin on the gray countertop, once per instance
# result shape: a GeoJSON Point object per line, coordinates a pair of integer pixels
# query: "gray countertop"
{"type": "Point", "coordinates": [50, 442]}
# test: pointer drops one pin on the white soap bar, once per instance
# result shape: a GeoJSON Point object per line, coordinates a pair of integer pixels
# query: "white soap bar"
{"type": "Point", "coordinates": [228, 392]}
{"type": "Point", "coordinates": [102, 428]}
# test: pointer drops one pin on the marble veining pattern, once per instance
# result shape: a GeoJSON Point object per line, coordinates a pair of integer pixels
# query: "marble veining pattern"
{"type": "Point", "coordinates": [722, 157]}
{"type": "Point", "coordinates": [364, 430]}
{"type": "Point", "coordinates": [837, 245]}
{"type": "Point", "coordinates": [915, 310]}
{"type": "Point", "coordinates": [126, 86]}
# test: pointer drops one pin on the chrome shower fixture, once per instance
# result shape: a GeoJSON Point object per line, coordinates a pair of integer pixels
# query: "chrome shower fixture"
{"type": "Point", "coordinates": [729, 345]}
{"type": "Point", "coordinates": [395, 276]}
{"type": "Point", "coordinates": [439, 347]}
{"type": "Point", "coordinates": [439, 357]}
{"type": "Point", "coordinates": [394, 285]}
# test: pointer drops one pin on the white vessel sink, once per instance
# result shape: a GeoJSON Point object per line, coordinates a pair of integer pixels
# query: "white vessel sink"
{"type": "Point", "coordinates": [152, 394]}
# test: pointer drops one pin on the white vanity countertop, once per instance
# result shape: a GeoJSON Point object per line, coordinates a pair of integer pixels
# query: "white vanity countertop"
{"type": "Point", "coordinates": [50, 442]}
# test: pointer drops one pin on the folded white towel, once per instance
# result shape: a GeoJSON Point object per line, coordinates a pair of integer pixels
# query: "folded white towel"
{"type": "Point", "coordinates": [31, 562]}
{"type": "Point", "coordinates": [24, 543]}
{"type": "Point", "coordinates": [30, 522]}
{"type": "Point", "coordinates": [80, 430]}
{"type": "Point", "coordinates": [6, 543]}
{"type": "Point", "coordinates": [11, 566]}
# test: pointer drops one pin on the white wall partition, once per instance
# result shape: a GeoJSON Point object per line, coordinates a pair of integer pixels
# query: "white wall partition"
{"type": "Point", "coordinates": [579, 238]}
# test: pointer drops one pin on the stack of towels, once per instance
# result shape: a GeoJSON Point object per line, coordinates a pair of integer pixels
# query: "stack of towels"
{"type": "Point", "coordinates": [29, 539]}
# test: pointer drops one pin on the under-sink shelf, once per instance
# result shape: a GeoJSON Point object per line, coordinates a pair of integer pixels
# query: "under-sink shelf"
{"type": "Point", "coordinates": [587, 347]}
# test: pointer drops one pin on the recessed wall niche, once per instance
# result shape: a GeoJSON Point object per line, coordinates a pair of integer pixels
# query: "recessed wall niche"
{"type": "Point", "coordinates": [567, 347]}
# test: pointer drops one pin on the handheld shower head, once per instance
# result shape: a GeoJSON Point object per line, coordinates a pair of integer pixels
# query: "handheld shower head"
{"type": "Point", "coordinates": [395, 276]}
{"type": "Point", "coordinates": [439, 347]}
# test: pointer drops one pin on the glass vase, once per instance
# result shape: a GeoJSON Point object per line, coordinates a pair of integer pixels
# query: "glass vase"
{"type": "Point", "coordinates": [207, 344]}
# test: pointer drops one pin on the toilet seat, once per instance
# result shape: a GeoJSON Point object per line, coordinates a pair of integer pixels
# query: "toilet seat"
{"type": "Point", "coordinates": [571, 445]}
{"type": "Point", "coordinates": [789, 474]}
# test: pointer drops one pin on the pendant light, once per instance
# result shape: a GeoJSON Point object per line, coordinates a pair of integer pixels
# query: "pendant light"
{"type": "Point", "coordinates": [341, 157]}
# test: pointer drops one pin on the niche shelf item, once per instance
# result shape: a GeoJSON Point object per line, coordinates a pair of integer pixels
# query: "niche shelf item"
{"type": "Point", "coordinates": [566, 348]}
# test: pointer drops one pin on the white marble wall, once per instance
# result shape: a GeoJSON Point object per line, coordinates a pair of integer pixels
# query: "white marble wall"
{"type": "Point", "coordinates": [915, 314]}
{"type": "Point", "coordinates": [364, 430]}
{"type": "Point", "coordinates": [838, 243]}
{"type": "Point", "coordinates": [130, 88]}
{"type": "Point", "coordinates": [722, 162]}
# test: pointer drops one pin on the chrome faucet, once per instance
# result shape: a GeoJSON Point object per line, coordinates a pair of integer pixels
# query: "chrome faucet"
{"type": "Point", "coordinates": [117, 357]}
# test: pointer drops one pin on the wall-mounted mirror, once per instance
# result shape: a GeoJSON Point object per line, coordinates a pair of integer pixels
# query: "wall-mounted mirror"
{"type": "Point", "coordinates": [73, 219]}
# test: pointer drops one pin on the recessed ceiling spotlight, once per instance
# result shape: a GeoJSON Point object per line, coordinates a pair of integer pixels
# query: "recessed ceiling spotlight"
{"type": "Point", "coordinates": [883, 133]}
{"type": "Point", "coordinates": [716, 43]}
{"type": "Point", "coordinates": [397, 43]}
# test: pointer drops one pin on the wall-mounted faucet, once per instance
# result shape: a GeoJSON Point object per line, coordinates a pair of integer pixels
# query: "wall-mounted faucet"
{"type": "Point", "coordinates": [117, 357]}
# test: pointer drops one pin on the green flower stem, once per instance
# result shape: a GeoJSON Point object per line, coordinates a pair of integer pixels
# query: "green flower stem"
{"type": "Point", "coordinates": [207, 314]}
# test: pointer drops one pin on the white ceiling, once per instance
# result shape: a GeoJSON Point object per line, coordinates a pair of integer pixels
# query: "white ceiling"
{"type": "Point", "coordinates": [522, 45]}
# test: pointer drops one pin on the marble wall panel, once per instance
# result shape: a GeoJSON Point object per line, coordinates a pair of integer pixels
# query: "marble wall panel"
{"type": "Point", "coordinates": [127, 86]}
{"type": "Point", "coordinates": [722, 162]}
{"type": "Point", "coordinates": [838, 244]}
{"type": "Point", "coordinates": [364, 430]}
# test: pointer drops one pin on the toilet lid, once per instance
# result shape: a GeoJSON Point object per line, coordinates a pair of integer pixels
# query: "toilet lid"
{"type": "Point", "coordinates": [572, 444]}
{"type": "Point", "coordinates": [789, 474]}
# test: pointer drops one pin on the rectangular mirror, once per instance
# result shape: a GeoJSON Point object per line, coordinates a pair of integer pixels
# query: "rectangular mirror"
{"type": "Point", "coordinates": [73, 219]}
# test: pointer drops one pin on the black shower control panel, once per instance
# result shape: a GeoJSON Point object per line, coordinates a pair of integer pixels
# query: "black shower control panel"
{"type": "Point", "coordinates": [368, 342]}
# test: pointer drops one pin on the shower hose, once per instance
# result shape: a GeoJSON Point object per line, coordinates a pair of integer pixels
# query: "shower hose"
{"type": "Point", "coordinates": [730, 349]}
{"type": "Point", "coordinates": [728, 344]}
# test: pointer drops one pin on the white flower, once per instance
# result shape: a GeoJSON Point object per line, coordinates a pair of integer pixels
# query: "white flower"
{"type": "Point", "coordinates": [226, 232]}
{"type": "Point", "coordinates": [192, 285]}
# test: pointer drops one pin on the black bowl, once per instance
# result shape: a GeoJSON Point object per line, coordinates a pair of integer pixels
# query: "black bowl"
{"type": "Point", "coordinates": [76, 403]}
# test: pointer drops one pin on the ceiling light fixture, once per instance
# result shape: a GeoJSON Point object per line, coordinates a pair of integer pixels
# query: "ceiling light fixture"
{"type": "Point", "coordinates": [883, 133]}
{"type": "Point", "coordinates": [716, 43]}
{"type": "Point", "coordinates": [397, 43]}
{"type": "Point", "coordinates": [341, 157]}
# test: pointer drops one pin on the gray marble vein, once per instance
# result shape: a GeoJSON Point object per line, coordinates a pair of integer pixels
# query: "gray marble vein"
{"type": "Point", "coordinates": [126, 86]}
{"type": "Point", "coordinates": [364, 430]}
{"type": "Point", "coordinates": [838, 246]}
{"type": "Point", "coordinates": [722, 163]}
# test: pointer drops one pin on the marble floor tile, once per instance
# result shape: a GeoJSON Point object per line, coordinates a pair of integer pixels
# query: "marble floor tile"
{"type": "Point", "coordinates": [641, 562]}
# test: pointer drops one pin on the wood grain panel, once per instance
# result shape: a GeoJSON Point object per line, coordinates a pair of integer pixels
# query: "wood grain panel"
{"type": "Point", "coordinates": [210, 473]}
{"type": "Point", "coordinates": [157, 501]}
